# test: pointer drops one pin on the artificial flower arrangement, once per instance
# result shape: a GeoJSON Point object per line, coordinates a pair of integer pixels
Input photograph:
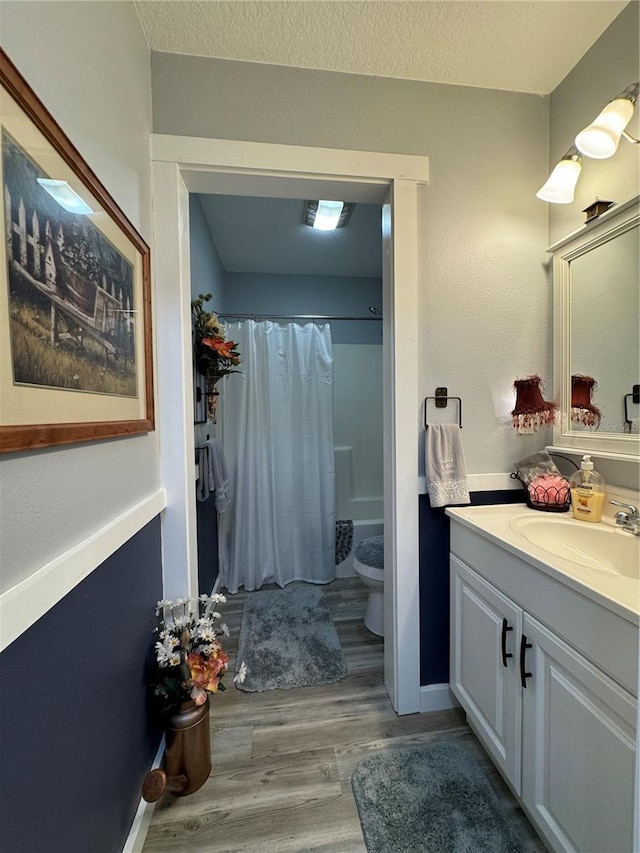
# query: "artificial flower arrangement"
{"type": "Point", "coordinates": [215, 356]}
{"type": "Point", "coordinates": [190, 658]}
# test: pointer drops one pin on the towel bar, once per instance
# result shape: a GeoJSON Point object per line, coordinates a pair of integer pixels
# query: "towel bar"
{"type": "Point", "coordinates": [440, 397]}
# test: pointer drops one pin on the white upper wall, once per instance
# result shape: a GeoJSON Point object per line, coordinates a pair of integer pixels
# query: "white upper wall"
{"type": "Point", "coordinates": [484, 307]}
{"type": "Point", "coordinates": [89, 64]}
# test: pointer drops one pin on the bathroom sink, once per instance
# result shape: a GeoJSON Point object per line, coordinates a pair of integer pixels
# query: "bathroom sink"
{"type": "Point", "coordinates": [595, 546]}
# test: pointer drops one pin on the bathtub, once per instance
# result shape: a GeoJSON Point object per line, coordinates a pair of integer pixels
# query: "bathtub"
{"type": "Point", "coordinates": [362, 529]}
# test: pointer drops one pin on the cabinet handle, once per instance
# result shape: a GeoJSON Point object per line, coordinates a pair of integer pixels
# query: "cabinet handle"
{"type": "Point", "coordinates": [523, 669]}
{"type": "Point", "coordinates": [505, 654]}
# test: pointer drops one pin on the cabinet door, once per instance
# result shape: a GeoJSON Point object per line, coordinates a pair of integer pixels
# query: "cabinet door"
{"type": "Point", "coordinates": [578, 741]}
{"type": "Point", "coordinates": [484, 624]}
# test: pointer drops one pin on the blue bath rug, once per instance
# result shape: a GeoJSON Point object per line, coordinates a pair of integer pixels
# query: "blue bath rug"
{"type": "Point", "coordinates": [288, 639]}
{"type": "Point", "coordinates": [432, 799]}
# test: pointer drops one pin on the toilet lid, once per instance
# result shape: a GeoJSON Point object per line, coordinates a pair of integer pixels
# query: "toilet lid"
{"type": "Point", "coordinates": [370, 552]}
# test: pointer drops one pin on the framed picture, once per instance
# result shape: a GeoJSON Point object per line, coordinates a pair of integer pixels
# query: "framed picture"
{"type": "Point", "coordinates": [76, 361]}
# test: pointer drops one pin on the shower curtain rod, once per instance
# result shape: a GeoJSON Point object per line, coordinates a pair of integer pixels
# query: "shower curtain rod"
{"type": "Point", "coordinates": [293, 317]}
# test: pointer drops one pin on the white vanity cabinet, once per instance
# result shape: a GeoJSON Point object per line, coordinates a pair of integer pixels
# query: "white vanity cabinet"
{"type": "Point", "coordinates": [578, 748]}
{"type": "Point", "coordinates": [485, 625]}
{"type": "Point", "coordinates": [559, 727]}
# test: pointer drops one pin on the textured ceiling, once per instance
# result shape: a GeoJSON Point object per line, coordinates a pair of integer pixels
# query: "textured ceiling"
{"type": "Point", "coordinates": [266, 235]}
{"type": "Point", "coordinates": [500, 44]}
{"type": "Point", "coordinates": [520, 45]}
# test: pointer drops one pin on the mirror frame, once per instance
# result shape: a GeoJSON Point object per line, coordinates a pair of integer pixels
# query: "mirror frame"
{"type": "Point", "coordinates": [609, 225]}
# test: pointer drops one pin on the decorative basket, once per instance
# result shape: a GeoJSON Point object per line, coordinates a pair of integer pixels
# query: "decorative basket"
{"type": "Point", "coordinates": [546, 500]}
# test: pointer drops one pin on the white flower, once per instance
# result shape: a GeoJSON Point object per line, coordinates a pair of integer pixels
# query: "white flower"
{"type": "Point", "coordinates": [224, 629]}
{"type": "Point", "coordinates": [241, 675]}
{"type": "Point", "coordinates": [218, 598]}
{"type": "Point", "coordinates": [174, 660]}
{"type": "Point", "coordinates": [163, 654]}
{"type": "Point", "coordinates": [169, 640]}
{"type": "Point", "coordinates": [215, 615]}
{"type": "Point", "coordinates": [207, 634]}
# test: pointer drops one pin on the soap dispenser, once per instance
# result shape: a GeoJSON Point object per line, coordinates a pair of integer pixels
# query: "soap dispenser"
{"type": "Point", "coordinates": [587, 492]}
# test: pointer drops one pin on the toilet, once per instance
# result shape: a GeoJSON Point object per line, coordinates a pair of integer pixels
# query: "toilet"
{"type": "Point", "coordinates": [368, 561]}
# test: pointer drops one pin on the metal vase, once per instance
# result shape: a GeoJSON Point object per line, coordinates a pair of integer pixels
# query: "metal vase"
{"type": "Point", "coordinates": [188, 747]}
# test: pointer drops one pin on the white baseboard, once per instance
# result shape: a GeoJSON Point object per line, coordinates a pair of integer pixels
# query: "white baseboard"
{"type": "Point", "coordinates": [140, 826]}
{"type": "Point", "coordinates": [437, 697]}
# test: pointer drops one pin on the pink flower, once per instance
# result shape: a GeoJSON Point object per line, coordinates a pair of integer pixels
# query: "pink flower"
{"type": "Point", "coordinates": [198, 695]}
{"type": "Point", "coordinates": [206, 672]}
{"type": "Point", "coordinates": [549, 489]}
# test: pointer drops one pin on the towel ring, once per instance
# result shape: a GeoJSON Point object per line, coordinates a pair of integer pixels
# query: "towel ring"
{"type": "Point", "coordinates": [440, 398]}
{"type": "Point", "coordinates": [636, 399]}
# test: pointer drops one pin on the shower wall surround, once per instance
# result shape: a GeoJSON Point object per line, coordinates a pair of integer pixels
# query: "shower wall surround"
{"type": "Point", "coordinates": [357, 430]}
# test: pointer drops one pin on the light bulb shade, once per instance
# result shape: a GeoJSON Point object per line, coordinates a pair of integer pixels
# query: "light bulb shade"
{"type": "Point", "coordinates": [561, 185]}
{"type": "Point", "coordinates": [600, 140]}
{"type": "Point", "coordinates": [531, 410]}
{"type": "Point", "coordinates": [328, 215]}
{"type": "Point", "coordinates": [583, 410]}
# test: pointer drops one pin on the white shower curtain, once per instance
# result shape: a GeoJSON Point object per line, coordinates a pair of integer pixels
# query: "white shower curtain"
{"type": "Point", "coordinates": [277, 433]}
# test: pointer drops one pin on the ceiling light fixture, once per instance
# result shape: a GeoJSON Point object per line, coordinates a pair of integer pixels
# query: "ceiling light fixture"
{"type": "Point", "coordinates": [598, 141]}
{"type": "Point", "coordinates": [601, 138]}
{"type": "Point", "coordinates": [561, 184]}
{"type": "Point", "coordinates": [324, 215]}
{"type": "Point", "coordinates": [66, 197]}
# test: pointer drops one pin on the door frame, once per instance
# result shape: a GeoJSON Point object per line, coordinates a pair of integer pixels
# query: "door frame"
{"type": "Point", "coordinates": [181, 165]}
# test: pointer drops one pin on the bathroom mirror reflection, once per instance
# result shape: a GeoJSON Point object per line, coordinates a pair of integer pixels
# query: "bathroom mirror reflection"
{"type": "Point", "coordinates": [597, 333]}
{"type": "Point", "coordinates": [605, 335]}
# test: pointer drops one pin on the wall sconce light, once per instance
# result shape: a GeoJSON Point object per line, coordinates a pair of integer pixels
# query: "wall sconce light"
{"type": "Point", "coordinates": [561, 184]}
{"type": "Point", "coordinates": [598, 141]}
{"type": "Point", "coordinates": [582, 409]}
{"type": "Point", "coordinates": [601, 138]}
{"type": "Point", "coordinates": [531, 410]}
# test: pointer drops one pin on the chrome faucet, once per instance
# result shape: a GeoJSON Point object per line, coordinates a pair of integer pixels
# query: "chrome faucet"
{"type": "Point", "coordinates": [629, 520]}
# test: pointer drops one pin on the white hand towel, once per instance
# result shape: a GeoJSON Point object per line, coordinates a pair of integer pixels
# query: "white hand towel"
{"type": "Point", "coordinates": [218, 479]}
{"type": "Point", "coordinates": [445, 466]}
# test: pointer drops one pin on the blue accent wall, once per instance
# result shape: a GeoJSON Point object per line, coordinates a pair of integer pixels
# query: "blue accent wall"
{"type": "Point", "coordinates": [345, 296]}
{"type": "Point", "coordinates": [76, 733]}
{"type": "Point", "coordinates": [207, 275]}
{"type": "Point", "coordinates": [434, 582]}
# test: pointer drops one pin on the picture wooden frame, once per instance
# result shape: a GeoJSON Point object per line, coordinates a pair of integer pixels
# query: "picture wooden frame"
{"type": "Point", "coordinates": [76, 352]}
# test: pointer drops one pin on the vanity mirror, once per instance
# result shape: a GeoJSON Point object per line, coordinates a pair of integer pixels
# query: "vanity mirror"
{"type": "Point", "coordinates": [596, 353]}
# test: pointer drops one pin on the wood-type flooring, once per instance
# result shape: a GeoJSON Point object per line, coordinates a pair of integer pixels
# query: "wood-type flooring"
{"type": "Point", "coordinates": [282, 760]}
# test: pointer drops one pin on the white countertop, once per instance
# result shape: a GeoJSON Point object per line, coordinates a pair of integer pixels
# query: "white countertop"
{"type": "Point", "coordinates": [619, 594]}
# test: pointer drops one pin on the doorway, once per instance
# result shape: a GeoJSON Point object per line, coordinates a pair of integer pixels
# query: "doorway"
{"type": "Point", "coordinates": [301, 423]}
{"type": "Point", "coordinates": [183, 164]}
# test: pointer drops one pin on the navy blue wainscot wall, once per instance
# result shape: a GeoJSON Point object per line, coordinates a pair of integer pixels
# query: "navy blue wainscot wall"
{"type": "Point", "coordinates": [207, 521]}
{"type": "Point", "coordinates": [434, 582]}
{"type": "Point", "coordinates": [76, 735]}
